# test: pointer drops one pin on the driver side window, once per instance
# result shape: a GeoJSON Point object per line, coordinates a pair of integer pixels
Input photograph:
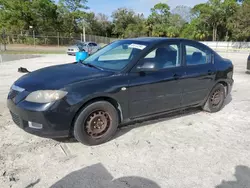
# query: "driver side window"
{"type": "Point", "coordinates": [162, 57]}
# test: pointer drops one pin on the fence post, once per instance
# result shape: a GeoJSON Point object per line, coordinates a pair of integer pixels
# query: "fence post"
{"type": "Point", "coordinates": [58, 39]}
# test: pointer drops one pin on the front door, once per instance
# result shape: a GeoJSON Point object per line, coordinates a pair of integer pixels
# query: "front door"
{"type": "Point", "coordinates": [156, 90]}
{"type": "Point", "coordinates": [200, 73]}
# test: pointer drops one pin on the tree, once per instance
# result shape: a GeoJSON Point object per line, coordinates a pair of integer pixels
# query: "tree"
{"type": "Point", "coordinates": [158, 20]}
{"type": "Point", "coordinates": [215, 14]}
{"type": "Point", "coordinates": [137, 29]}
{"type": "Point", "coordinates": [211, 14]}
{"type": "Point", "coordinates": [71, 14]}
{"type": "Point", "coordinates": [240, 22]}
{"type": "Point", "coordinates": [98, 24]}
{"type": "Point", "coordinates": [105, 24]}
{"type": "Point", "coordinates": [18, 15]}
{"type": "Point", "coordinates": [74, 5]}
{"type": "Point", "coordinates": [122, 18]}
{"type": "Point", "coordinates": [195, 30]}
{"type": "Point", "coordinates": [184, 12]}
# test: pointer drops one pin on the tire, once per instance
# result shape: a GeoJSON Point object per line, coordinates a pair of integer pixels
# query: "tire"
{"type": "Point", "coordinates": [215, 106]}
{"type": "Point", "coordinates": [97, 114]}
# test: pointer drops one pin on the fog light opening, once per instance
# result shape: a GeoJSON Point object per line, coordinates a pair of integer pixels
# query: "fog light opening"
{"type": "Point", "coordinates": [35, 125]}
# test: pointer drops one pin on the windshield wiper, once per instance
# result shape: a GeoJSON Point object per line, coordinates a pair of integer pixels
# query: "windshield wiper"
{"type": "Point", "coordinates": [93, 66]}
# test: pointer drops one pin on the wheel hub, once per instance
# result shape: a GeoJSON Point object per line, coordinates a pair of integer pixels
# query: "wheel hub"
{"type": "Point", "coordinates": [216, 98]}
{"type": "Point", "coordinates": [97, 123]}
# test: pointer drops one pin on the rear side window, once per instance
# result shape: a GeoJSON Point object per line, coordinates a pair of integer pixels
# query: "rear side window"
{"type": "Point", "coordinates": [196, 55]}
{"type": "Point", "coordinates": [92, 44]}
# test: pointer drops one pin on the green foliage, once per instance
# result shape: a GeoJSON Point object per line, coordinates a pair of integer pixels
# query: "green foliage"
{"type": "Point", "coordinates": [184, 12]}
{"type": "Point", "coordinates": [239, 23]}
{"type": "Point", "coordinates": [122, 18]}
{"type": "Point", "coordinates": [21, 14]}
{"type": "Point", "coordinates": [213, 20]}
{"type": "Point", "coordinates": [158, 20]}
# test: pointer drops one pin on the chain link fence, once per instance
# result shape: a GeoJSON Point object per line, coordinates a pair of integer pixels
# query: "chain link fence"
{"type": "Point", "coordinates": [50, 38]}
{"type": "Point", "coordinates": [59, 39]}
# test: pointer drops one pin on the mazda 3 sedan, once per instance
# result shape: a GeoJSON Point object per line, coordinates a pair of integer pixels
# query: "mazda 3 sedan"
{"type": "Point", "coordinates": [125, 81]}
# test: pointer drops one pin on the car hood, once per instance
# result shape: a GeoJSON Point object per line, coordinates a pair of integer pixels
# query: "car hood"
{"type": "Point", "coordinates": [57, 77]}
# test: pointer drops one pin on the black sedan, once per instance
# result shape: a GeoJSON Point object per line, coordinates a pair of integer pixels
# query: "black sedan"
{"type": "Point", "coordinates": [124, 81]}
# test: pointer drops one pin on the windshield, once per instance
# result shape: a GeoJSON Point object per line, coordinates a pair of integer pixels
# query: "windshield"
{"type": "Point", "coordinates": [80, 44]}
{"type": "Point", "coordinates": [117, 55]}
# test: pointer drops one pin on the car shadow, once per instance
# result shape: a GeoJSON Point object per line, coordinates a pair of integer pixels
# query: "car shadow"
{"type": "Point", "coordinates": [228, 100]}
{"type": "Point", "coordinates": [242, 175]}
{"type": "Point", "coordinates": [65, 140]}
{"type": "Point", "coordinates": [97, 176]}
{"type": "Point", "coordinates": [125, 128]}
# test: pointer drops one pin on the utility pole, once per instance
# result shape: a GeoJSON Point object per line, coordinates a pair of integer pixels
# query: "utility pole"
{"type": "Point", "coordinates": [83, 30]}
{"type": "Point", "coordinates": [58, 39]}
{"type": "Point", "coordinates": [34, 37]}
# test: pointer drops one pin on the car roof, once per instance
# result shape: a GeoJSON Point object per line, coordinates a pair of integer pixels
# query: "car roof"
{"type": "Point", "coordinates": [155, 39]}
{"type": "Point", "coordinates": [89, 42]}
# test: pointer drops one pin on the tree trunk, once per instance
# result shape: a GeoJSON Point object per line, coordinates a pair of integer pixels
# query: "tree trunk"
{"type": "Point", "coordinates": [214, 33]}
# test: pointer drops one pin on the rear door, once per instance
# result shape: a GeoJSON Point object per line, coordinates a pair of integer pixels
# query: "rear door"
{"type": "Point", "coordinates": [200, 73]}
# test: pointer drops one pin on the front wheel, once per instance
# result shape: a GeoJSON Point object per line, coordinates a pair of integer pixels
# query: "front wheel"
{"type": "Point", "coordinates": [96, 123]}
{"type": "Point", "coordinates": [215, 99]}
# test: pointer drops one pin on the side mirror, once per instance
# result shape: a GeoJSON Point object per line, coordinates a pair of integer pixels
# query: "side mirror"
{"type": "Point", "coordinates": [147, 67]}
{"type": "Point", "coordinates": [81, 56]}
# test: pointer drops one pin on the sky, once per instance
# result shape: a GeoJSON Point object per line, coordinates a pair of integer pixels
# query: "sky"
{"type": "Point", "coordinates": [139, 6]}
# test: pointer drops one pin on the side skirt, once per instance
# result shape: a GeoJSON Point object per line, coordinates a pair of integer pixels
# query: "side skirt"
{"type": "Point", "coordinates": [157, 115]}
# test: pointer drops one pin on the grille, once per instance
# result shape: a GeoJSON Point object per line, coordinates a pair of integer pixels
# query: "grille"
{"type": "Point", "coordinates": [16, 119]}
{"type": "Point", "coordinates": [13, 94]}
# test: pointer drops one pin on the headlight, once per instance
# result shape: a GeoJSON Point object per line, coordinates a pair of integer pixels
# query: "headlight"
{"type": "Point", "coordinates": [45, 96]}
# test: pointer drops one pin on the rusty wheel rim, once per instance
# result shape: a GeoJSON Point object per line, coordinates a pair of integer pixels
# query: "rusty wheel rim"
{"type": "Point", "coordinates": [97, 123]}
{"type": "Point", "coordinates": [216, 98]}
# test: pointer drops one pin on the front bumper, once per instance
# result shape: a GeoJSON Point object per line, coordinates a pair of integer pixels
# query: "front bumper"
{"type": "Point", "coordinates": [55, 118]}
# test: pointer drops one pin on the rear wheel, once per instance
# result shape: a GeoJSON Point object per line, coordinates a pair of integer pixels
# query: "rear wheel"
{"type": "Point", "coordinates": [215, 99]}
{"type": "Point", "coordinates": [96, 123]}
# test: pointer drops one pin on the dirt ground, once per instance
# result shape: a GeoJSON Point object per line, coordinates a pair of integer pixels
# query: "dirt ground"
{"type": "Point", "coordinates": [193, 149]}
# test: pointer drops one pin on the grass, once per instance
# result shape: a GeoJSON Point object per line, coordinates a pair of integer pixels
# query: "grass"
{"type": "Point", "coordinates": [31, 52]}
